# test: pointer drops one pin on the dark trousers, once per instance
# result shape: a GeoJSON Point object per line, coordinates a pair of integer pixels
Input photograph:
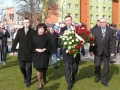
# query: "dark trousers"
{"type": "Point", "coordinates": [97, 63]}
{"type": "Point", "coordinates": [68, 76]}
{"type": "Point", "coordinates": [83, 51]}
{"type": "Point", "coordinates": [26, 69]}
{"type": "Point", "coordinates": [4, 52]}
{"type": "Point", "coordinates": [118, 47]}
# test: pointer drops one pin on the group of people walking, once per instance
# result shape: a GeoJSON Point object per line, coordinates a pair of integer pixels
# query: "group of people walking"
{"type": "Point", "coordinates": [39, 45]}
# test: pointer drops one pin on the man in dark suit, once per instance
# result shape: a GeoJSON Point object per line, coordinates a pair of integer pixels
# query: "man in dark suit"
{"type": "Point", "coordinates": [92, 48]}
{"type": "Point", "coordinates": [4, 34]}
{"type": "Point", "coordinates": [24, 36]}
{"type": "Point", "coordinates": [105, 46]}
{"type": "Point", "coordinates": [69, 59]}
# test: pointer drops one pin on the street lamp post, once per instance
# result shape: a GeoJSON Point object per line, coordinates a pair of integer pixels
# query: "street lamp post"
{"type": "Point", "coordinates": [62, 9]}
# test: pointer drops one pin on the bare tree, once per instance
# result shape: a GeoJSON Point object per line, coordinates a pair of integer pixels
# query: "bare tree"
{"type": "Point", "coordinates": [38, 10]}
{"type": "Point", "coordinates": [49, 7]}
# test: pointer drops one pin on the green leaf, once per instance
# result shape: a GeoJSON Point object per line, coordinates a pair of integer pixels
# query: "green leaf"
{"type": "Point", "coordinates": [64, 47]}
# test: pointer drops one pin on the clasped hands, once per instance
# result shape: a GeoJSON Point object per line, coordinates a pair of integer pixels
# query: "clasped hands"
{"type": "Point", "coordinates": [41, 50]}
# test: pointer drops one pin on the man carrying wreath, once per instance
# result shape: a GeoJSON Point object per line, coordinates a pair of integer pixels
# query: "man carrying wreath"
{"type": "Point", "coordinates": [69, 59]}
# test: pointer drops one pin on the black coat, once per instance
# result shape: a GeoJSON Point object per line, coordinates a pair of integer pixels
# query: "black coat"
{"type": "Point", "coordinates": [66, 57]}
{"type": "Point", "coordinates": [54, 42]}
{"type": "Point", "coordinates": [40, 60]}
{"type": "Point", "coordinates": [107, 44]}
{"type": "Point", "coordinates": [4, 37]}
{"type": "Point", "coordinates": [24, 51]}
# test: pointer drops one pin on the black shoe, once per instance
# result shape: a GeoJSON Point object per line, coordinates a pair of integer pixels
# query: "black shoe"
{"type": "Point", "coordinates": [56, 67]}
{"type": "Point", "coordinates": [40, 88]}
{"type": "Point", "coordinates": [73, 82]}
{"type": "Point", "coordinates": [44, 80]}
{"type": "Point", "coordinates": [97, 78]}
{"type": "Point", "coordinates": [28, 84]}
{"type": "Point", "coordinates": [69, 87]}
{"type": "Point", "coordinates": [112, 61]}
{"type": "Point", "coordinates": [105, 84]}
{"type": "Point", "coordinates": [25, 80]}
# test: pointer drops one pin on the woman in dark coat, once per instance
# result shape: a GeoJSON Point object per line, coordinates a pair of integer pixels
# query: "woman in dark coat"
{"type": "Point", "coordinates": [41, 47]}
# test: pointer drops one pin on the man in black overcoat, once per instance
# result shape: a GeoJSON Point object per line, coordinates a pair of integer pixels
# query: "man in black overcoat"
{"type": "Point", "coordinates": [23, 37]}
{"type": "Point", "coordinates": [69, 59]}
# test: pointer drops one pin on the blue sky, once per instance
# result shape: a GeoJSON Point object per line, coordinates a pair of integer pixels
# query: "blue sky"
{"type": "Point", "coordinates": [8, 3]}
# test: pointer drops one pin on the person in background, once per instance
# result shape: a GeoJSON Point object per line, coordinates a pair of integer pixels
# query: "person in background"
{"type": "Point", "coordinates": [4, 34]}
{"type": "Point", "coordinates": [114, 31]}
{"type": "Point", "coordinates": [54, 42]}
{"type": "Point", "coordinates": [23, 37]}
{"type": "Point", "coordinates": [92, 49]}
{"type": "Point", "coordinates": [57, 28]}
{"type": "Point", "coordinates": [118, 39]}
{"type": "Point", "coordinates": [41, 47]}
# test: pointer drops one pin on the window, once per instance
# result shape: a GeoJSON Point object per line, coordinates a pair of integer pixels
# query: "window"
{"type": "Point", "coordinates": [76, 15]}
{"type": "Point", "coordinates": [97, 0]}
{"type": "Point", "coordinates": [97, 16]}
{"type": "Point", "coordinates": [91, 7]}
{"type": "Point", "coordinates": [97, 8]}
{"type": "Point", "coordinates": [109, 17]}
{"type": "Point", "coordinates": [76, 6]}
{"type": "Point", "coordinates": [91, 25]}
{"type": "Point", "coordinates": [109, 1]}
{"type": "Point", "coordinates": [91, 16]}
{"type": "Point", "coordinates": [11, 16]}
{"type": "Point", "coordinates": [104, 9]}
{"type": "Point", "coordinates": [17, 17]}
{"type": "Point", "coordinates": [68, 14]}
{"type": "Point", "coordinates": [69, 5]}
{"type": "Point", "coordinates": [18, 23]}
{"type": "Point", "coordinates": [104, 16]}
{"type": "Point", "coordinates": [109, 9]}
{"type": "Point", "coordinates": [104, 1]}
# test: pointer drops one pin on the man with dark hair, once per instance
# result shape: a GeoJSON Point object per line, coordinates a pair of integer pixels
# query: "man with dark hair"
{"type": "Point", "coordinates": [92, 48]}
{"type": "Point", "coordinates": [54, 41]}
{"type": "Point", "coordinates": [69, 59]}
{"type": "Point", "coordinates": [23, 37]}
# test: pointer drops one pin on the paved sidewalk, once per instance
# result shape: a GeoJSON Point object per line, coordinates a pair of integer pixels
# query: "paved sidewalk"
{"type": "Point", "coordinates": [90, 58]}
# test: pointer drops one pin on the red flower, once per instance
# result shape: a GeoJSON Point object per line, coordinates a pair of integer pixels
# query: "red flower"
{"type": "Point", "coordinates": [88, 32]}
{"type": "Point", "coordinates": [77, 47]}
{"type": "Point", "coordinates": [80, 45]}
{"type": "Point", "coordinates": [91, 38]}
{"type": "Point", "coordinates": [79, 32]}
{"type": "Point", "coordinates": [76, 27]}
{"type": "Point", "coordinates": [71, 52]}
{"type": "Point", "coordinates": [81, 41]}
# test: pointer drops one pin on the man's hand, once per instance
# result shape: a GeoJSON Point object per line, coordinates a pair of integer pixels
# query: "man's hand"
{"type": "Point", "coordinates": [11, 54]}
{"type": "Point", "coordinates": [93, 44]}
{"type": "Point", "coordinates": [3, 31]}
{"type": "Point", "coordinates": [91, 54]}
{"type": "Point", "coordinates": [112, 54]}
